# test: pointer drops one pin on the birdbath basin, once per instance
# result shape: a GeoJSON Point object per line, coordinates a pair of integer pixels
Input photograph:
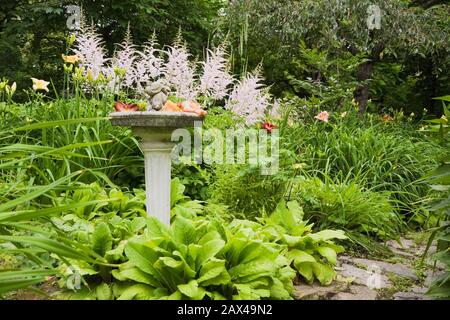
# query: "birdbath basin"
{"type": "Point", "coordinates": [155, 128]}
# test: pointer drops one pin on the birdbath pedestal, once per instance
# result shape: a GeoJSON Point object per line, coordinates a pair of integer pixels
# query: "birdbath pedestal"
{"type": "Point", "coordinates": [155, 128]}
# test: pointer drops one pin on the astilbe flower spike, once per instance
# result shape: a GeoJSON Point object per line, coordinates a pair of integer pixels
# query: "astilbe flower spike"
{"type": "Point", "coordinates": [216, 79]}
{"type": "Point", "coordinates": [125, 59]}
{"type": "Point", "coordinates": [149, 66]}
{"type": "Point", "coordinates": [180, 72]}
{"type": "Point", "coordinates": [89, 49]}
{"type": "Point", "coordinates": [249, 98]}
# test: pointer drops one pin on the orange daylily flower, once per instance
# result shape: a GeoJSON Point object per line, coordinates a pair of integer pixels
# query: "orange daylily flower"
{"type": "Point", "coordinates": [323, 116]}
{"type": "Point", "coordinates": [387, 118]}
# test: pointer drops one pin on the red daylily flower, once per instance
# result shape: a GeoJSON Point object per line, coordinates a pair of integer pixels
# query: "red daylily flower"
{"type": "Point", "coordinates": [268, 126]}
{"type": "Point", "coordinates": [120, 106]}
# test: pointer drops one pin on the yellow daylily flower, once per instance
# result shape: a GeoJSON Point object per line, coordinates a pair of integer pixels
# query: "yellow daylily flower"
{"type": "Point", "coordinates": [10, 90]}
{"type": "Point", "coordinates": [40, 84]}
{"type": "Point", "coordinates": [71, 59]}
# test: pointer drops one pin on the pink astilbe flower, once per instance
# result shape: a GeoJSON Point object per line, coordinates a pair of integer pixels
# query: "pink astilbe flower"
{"type": "Point", "coordinates": [323, 116]}
{"type": "Point", "coordinates": [149, 66]}
{"type": "Point", "coordinates": [88, 47]}
{"type": "Point", "coordinates": [216, 79]}
{"type": "Point", "coordinates": [180, 72]}
{"type": "Point", "coordinates": [125, 58]}
{"type": "Point", "coordinates": [249, 98]}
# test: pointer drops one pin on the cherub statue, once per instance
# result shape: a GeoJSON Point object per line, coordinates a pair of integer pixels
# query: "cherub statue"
{"type": "Point", "coordinates": [157, 95]}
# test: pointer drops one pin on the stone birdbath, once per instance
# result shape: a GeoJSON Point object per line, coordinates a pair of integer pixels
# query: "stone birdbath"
{"type": "Point", "coordinates": [155, 128]}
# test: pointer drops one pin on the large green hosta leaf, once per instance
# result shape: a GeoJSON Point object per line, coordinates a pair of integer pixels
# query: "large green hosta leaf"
{"type": "Point", "coordinates": [214, 272]}
{"type": "Point", "coordinates": [192, 290]}
{"type": "Point", "coordinates": [102, 239]}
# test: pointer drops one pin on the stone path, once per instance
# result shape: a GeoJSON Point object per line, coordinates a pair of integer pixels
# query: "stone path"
{"type": "Point", "coordinates": [401, 277]}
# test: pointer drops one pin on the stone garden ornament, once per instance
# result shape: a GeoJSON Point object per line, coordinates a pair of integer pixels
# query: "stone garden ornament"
{"type": "Point", "coordinates": [157, 95]}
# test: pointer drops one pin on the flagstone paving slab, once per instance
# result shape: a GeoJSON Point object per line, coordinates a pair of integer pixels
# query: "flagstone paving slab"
{"type": "Point", "coordinates": [370, 279]}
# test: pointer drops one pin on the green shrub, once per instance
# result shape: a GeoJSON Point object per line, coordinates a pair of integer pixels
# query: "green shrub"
{"type": "Point", "coordinates": [439, 180]}
{"type": "Point", "coordinates": [347, 206]}
{"type": "Point", "coordinates": [380, 156]}
{"type": "Point", "coordinates": [245, 191]}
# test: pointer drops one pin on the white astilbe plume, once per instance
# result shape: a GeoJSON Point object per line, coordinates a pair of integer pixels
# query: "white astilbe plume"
{"type": "Point", "coordinates": [249, 98]}
{"type": "Point", "coordinates": [275, 111]}
{"type": "Point", "coordinates": [149, 66]}
{"type": "Point", "coordinates": [89, 49]}
{"type": "Point", "coordinates": [125, 58]}
{"type": "Point", "coordinates": [216, 79]}
{"type": "Point", "coordinates": [179, 72]}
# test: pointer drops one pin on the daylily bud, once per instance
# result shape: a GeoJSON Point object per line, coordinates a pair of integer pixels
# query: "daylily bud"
{"type": "Point", "coordinates": [90, 76]}
{"type": "Point", "coordinates": [70, 39]}
{"type": "Point", "coordinates": [120, 72]}
{"type": "Point", "coordinates": [78, 74]}
{"type": "Point", "coordinates": [68, 69]}
{"type": "Point", "coordinates": [101, 78]}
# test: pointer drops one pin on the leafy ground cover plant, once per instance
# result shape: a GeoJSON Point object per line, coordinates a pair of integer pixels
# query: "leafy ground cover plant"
{"type": "Point", "coordinates": [202, 260]}
{"type": "Point", "coordinates": [200, 257]}
{"type": "Point", "coordinates": [313, 254]}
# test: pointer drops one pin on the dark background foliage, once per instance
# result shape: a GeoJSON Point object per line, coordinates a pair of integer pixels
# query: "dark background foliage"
{"type": "Point", "coordinates": [32, 32]}
{"type": "Point", "coordinates": [407, 76]}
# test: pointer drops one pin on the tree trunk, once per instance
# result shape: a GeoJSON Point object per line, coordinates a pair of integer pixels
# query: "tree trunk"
{"type": "Point", "coordinates": [362, 91]}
